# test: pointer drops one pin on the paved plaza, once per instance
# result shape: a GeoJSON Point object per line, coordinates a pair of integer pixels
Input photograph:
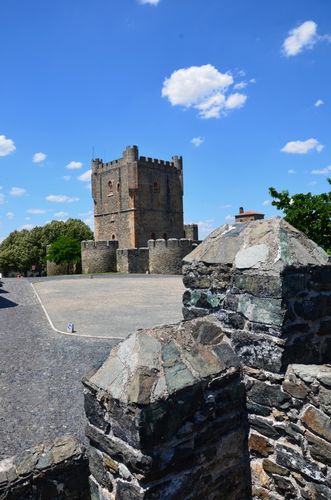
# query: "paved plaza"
{"type": "Point", "coordinates": [41, 395]}
{"type": "Point", "coordinates": [112, 306]}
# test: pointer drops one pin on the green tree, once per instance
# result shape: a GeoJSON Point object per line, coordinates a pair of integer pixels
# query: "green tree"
{"type": "Point", "coordinates": [310, 213]}
{"type": "Point", "coordinates": [23, 249]}
{"type": "Point", "coordinates": [65, 250]}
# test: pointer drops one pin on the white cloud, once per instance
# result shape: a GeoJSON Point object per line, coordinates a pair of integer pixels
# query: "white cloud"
{"type": "Point", "coordinates": [206, 227]}
{"type": "Point", "coordinates": [7, 146]}
{"type": "Point", "coordinates": [149, 2]}
{"type": "Point", "coordinates": [229, 219]}
{"type": "Point", "coordinates": [240, 85]}
{"type": "Point", "coordinates": [235, 101]}
{"type": "Point", "coordinates": [227, 205]}
{"type": "Point", "coordinates": [38, 157]}
{"type": "Point", "coordinates": [27, 226]}
{"type": "Point", "coordinates": [197, 141]}
{"type": "Point", "coordinates": [66, 177]}
{"type": "Point", "coordinates": [10, 215]}
{"type": "Point", "coordinates": [318, 103]}
{"type": "Point", "coordinates": [266, 203]}
{"type": "Point", "coordinates": [304, 36]}
{"type": "Point", "coordinates": [322, 171]}
{"type": "Point", "coordinates": [74, 165]}
{"type": "Point", "coordinates": [203, 88]}
{"type": "Point", "coordinates": [61, 198]}
{"type": "Point", "coordinates": [86, 176]}
{"type": "Point", "coordinates": [2, 199]}
{"type": "Point", "coordinates": [61, 214]}
{"type": "Point", "coordinates": [35, 211]}
{"type": "Point", "coordinates": [302, 147]}
{"type": "Point", "coordinates": [291, 171]}
{"type": "Point", "coordinates": [16, 191]}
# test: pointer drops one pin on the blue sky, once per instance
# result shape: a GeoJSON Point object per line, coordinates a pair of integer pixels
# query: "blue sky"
{"type": "Point", "coordinates": [240, 89]}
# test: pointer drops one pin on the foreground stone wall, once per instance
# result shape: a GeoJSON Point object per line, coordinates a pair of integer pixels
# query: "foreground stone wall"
{"type": "Point", "coordinates": [270, 289]}
{"type": "Point", "coordinates": [57, 470]}
{"type": "Point", "coordinates": [167, 418]}
{"type": "Point", "coordinates": [290, 437]}
{"type": "Point", "coordinates": [133, 260]}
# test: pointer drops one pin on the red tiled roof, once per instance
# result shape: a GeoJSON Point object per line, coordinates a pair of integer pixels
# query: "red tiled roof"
{"type": "Point", "coordinates": [249, 212]}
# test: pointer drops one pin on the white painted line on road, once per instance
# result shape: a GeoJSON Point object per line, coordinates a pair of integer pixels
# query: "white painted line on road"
{"type": "Point", "coordinates": [67, 333]}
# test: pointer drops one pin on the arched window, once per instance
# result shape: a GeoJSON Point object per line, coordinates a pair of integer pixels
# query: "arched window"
{"type": "Point", "coordinates": [118, 187]}
{"type": "Point", "coordinates": [113, 237]}
{"type": "Point", "coordinates": [110, 187]}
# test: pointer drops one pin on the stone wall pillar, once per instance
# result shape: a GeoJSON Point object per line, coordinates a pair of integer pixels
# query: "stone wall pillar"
{"type": "Point", "coordinates": [167, 419]}
{"type": "Point", "coordinates": [270, 289]}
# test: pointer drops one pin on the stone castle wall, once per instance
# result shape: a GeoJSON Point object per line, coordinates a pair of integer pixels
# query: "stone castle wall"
{"type": "Point", "coordinates": [56, 470]}
{"type": "Point", "coordinates": [161, 257]}
{"type": "Point", "coordinates": [99, 256]}
{"type": "Point", "coordinates": [165, 256]}
{"type": "Point", "coordinates": [133, 260]}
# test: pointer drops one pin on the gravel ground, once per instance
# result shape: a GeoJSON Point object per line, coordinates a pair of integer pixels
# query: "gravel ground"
{"type": "Point", "coordinates": [41, 395]}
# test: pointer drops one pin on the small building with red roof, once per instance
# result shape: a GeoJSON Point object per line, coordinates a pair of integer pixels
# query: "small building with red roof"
{"type": "Point", "coordinates": [248, 216]}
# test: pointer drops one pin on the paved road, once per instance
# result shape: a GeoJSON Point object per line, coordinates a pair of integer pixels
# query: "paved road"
{"type": "Point", "coordinates": [41, 395]}
{"type": "Point", "coordinates": [112, 306]}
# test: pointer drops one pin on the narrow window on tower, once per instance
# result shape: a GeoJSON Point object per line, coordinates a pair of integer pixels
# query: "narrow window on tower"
{"type": "Point", "coordinates": [156, 187]}
{"type": "Point", "coordinates": [110, 188]}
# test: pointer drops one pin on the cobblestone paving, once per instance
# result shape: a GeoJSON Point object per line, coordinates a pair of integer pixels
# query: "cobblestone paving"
{"type": "Point", "coordinates": [41, 395]}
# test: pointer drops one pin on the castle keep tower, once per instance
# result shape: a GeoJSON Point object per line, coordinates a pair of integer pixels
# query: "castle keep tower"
{"type": "Point", "coordinates": [137, 199]}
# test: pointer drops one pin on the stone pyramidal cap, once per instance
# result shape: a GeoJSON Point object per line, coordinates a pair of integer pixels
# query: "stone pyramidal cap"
{"type": "Point", "coordinates": [152, 364]}
{"type": "Point", "coordinates": [262, 244]}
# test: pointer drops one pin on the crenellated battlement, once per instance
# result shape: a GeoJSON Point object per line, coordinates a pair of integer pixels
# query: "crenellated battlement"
{"type": "Point", "coordinates": [171, 243]}
{"type": "Point", "coordinates": [155, 162]}
{"type": "Point", "coordinates": [106, 245]}
{"type": "Point", "coordinates": [131, 154]}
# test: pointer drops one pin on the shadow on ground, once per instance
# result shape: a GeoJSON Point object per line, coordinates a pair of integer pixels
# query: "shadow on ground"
{"type": "Point", "coordinates": [4, 303]}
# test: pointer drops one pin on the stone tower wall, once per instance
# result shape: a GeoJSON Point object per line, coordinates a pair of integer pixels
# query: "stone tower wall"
{"type": "Point", "coordinates": [99, 256]}
{"type": "Point", "coordinates": [191, 232]}
{"type": "Point", "coordinates": [137, 198]}
{"type": "Point", "coordinates": [114, 204]}
{"type": "Point", "coordinates": [165, 256]}
{"type": "Point", "coordinates": [159, 201]}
